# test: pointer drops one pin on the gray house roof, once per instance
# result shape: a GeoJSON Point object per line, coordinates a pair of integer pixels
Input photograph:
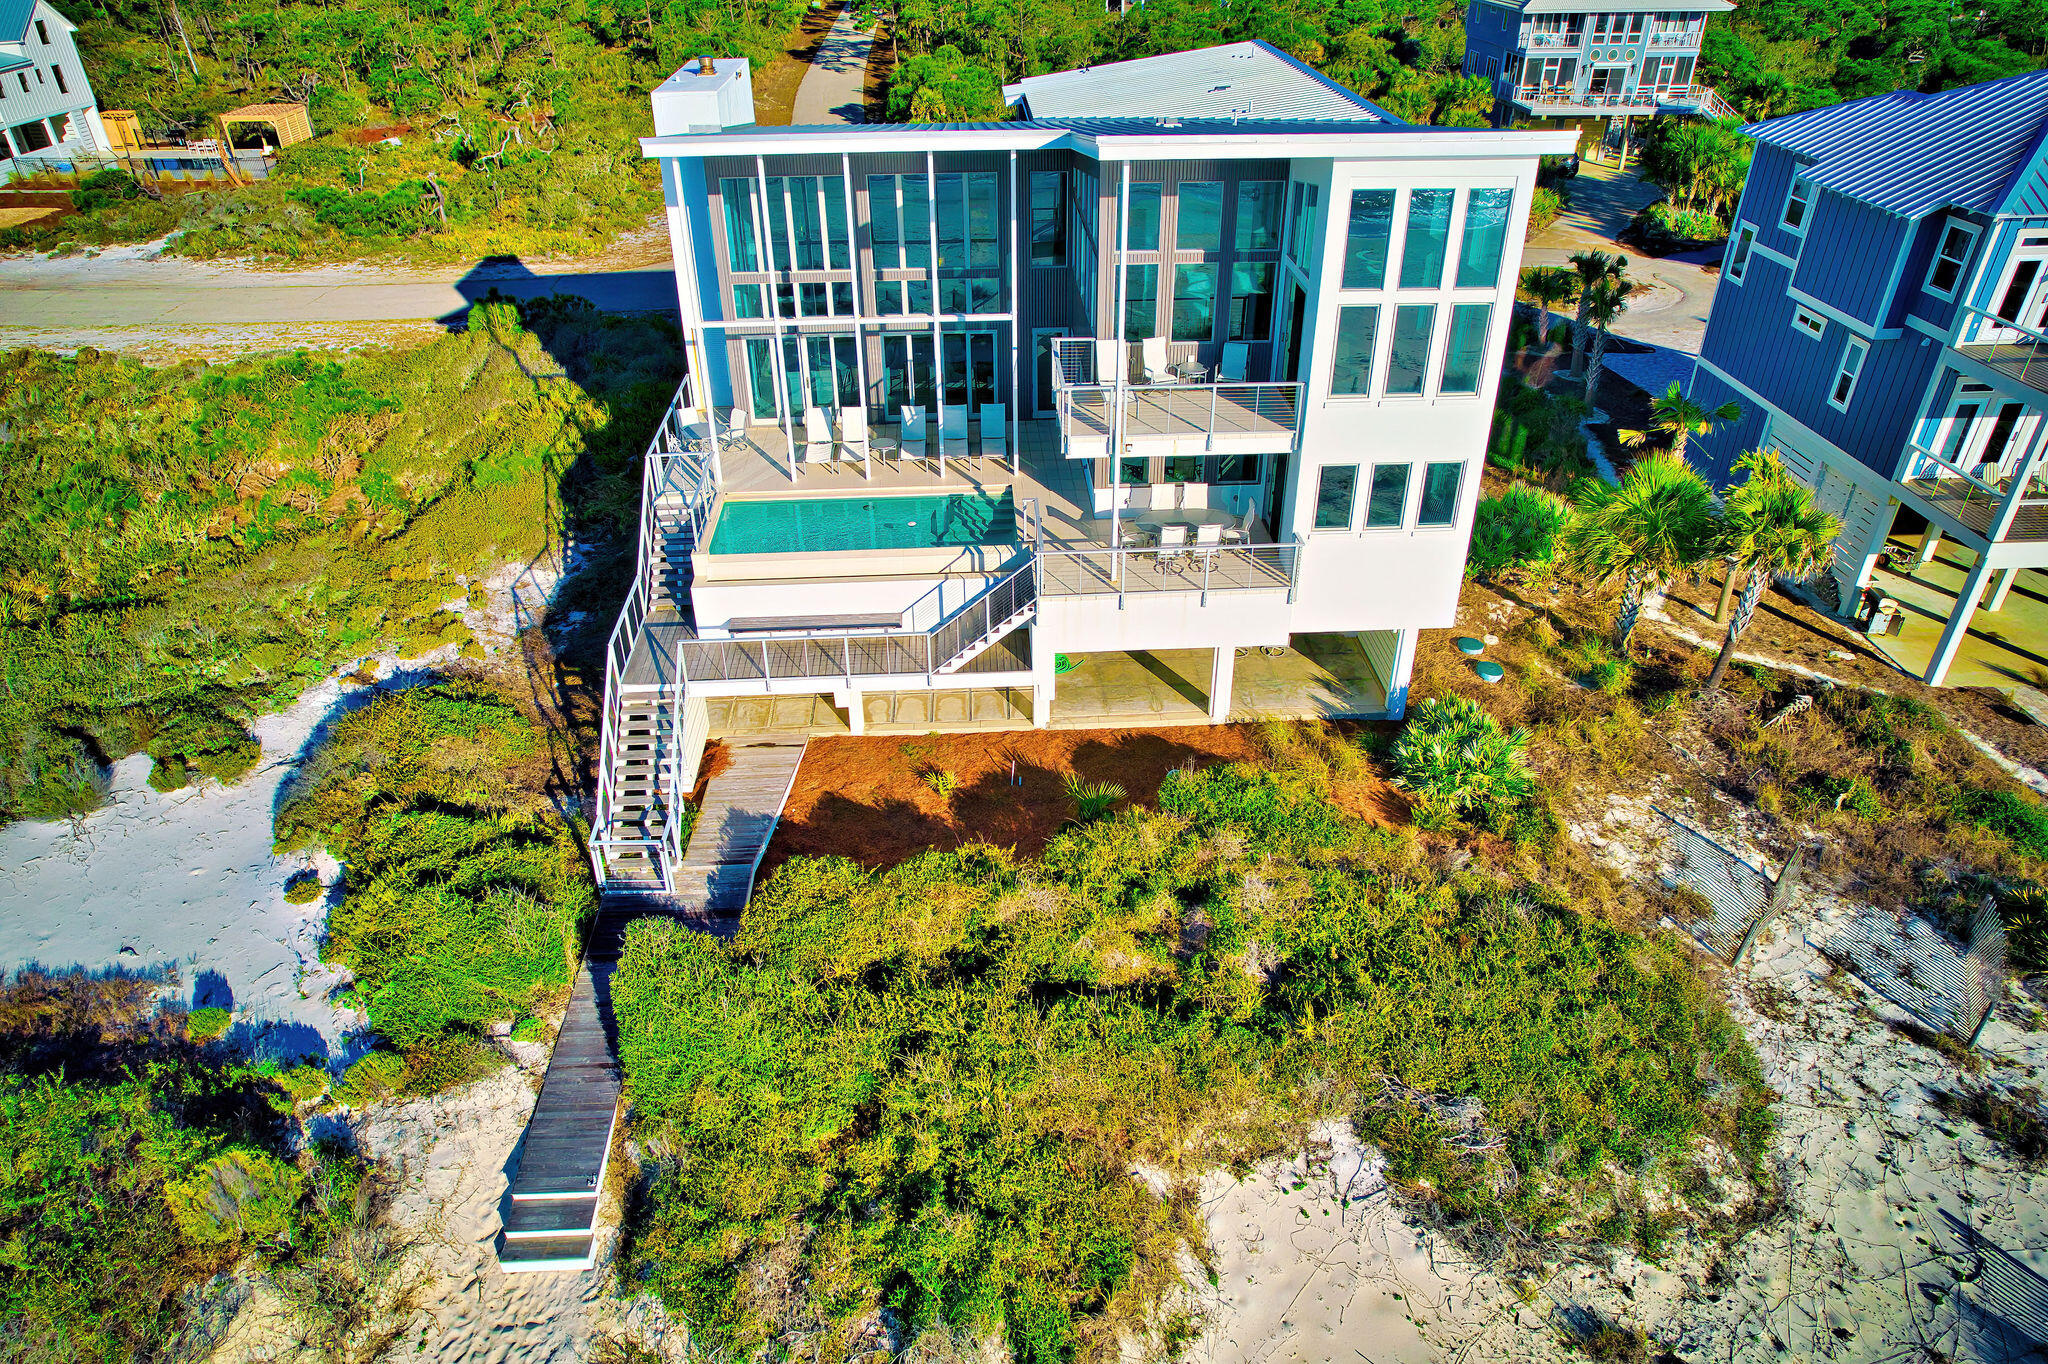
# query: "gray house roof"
{"type": "Point", "coordinates": [1252, 80]}
{"type": "Point", "coordinates": [1911, 153]}
{"type": "Point", "coordinates": [1610, 7]}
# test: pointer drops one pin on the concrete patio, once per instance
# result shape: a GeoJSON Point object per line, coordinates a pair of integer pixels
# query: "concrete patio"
{"type": "Point", "coordinates": [1318, 676]}
{"type": "Point", "coordinates": [2003, 648]}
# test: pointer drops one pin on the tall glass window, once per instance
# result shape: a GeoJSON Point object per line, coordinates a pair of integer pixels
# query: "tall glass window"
{"type": "Point", "coordinates": [807, 222]}
{"type": "Point", "coordinates": [746, 300]}
{"type": "Point", "coordinates": [883, 230]}
{"type": "Point", "coordinates": [1351, 371]}
{"type": "Point", "coordinates": [1465, 351]}
{"type": "Point", "coordinates": [1408, 361]}
{"type": "Point", "coordinates": [907, 370]}
{"type": "Point", "coordinates": [888, 297]}
{"type": "Point", "coordinates": [761, 376]}
{"type": "Point", "coordinates": [1141, 302]}
{"type": "Point", "coordinates": [1194, 302]}
{"type": "Point", "coordinates": [837, 241]}
{"type": "Point", "coordinates": [981, 220]}
{"type": "Point", "coordinates": [952, 211]}
{"type": "Point", "coordinates": [917, 223]}
{"type": "Point", "coordinates": [1486, 235]}
{"type": "Point", "coordinates": [1199, 222]}
{"type": "Point", "coordinates": [1258, 215]}
{"type": "Point", "coordinates": [1389, 496]}
{"type": "Point", "coordinates": [1048, 218]}
{"type": "Point", "coordinates": [742, 249]}
{"type": "Point", "coordinates": [1336, 491]}
{"type": "Point", "coordinates": [1301, 231]}
{"type": "Point", "coordinates": [1365, 244]}
{"type": "Point", "coordinates": [1429, 233]}
{"type": "Point", "coordinates": [1134, 469]}
{"type": "Point", "coordinates": [1144, 234]}
{"type": "Point", "coordinates": [1251, 301]}
{"type": "Point", "coordinates": [778, 222]}
{"type": "Point", "coordinates": [1439, 495]}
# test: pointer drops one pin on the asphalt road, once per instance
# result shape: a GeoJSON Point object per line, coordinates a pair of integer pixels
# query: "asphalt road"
{"type": "Point", "coordinates": [1673, 312]}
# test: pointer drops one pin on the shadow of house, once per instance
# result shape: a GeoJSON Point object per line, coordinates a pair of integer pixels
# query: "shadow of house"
{"type": "Point", "coordinates": [508, 279]}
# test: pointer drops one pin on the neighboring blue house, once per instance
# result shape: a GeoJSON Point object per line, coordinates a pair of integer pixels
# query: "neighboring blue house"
{"type": "Point", "coordinates": [1883, 322]}
{"type": "Point", "coordinates": [1576, 60]}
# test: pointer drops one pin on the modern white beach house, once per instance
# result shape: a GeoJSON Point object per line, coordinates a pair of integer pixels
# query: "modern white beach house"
{"type": "Point", "coordinates": [1163, 402]}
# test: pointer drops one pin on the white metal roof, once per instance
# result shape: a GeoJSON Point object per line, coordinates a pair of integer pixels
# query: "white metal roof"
{"type": "Point", "coordinates": [1609, 7]}
{"type": "Point", "coordinates": [1253, 80]}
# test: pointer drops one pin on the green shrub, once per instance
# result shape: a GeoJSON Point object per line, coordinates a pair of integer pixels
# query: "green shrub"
{"type": "Point", "coordinates": [1546, 206]}
{"type": "Point", "coordinates": [941, 781]}
{"type": "Point", "coordinates": [303, 888]}
{"type": "Point", "coordinates": [2021, 821]}
{"type": "Point", "coordinates": [304, 1084]}
{"type": "Point", "coordinates": [239, 1194]}
{"type": "Point", "coordinates": [1458, 762]}
{"type": "Point", "coordinates": [374, 1078]}
{"type": "Point", "coordinates": [1516, 531]}
{"type": "Point", "coordinates": [529, 1029]}
{"type": "Point", "coordinates": [922, 1090]}
{"type": "Point", "coordinates": [105, 189]}
{"type": "Point", "coordinates": [204, 1025]}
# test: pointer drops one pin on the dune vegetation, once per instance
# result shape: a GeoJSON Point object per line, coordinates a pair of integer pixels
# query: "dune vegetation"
{"type": "Point", "coordinates": [927, 1091]}
{"type": "Point", "coordinates": [184, 546]}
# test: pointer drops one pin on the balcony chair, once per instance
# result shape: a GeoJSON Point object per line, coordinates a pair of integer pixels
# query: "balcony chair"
{"type": "Point", "coordinates": [1173, 546]}
{"type": "Point", "coordinates": [818, 448]}
{"type": "Point", "coordinates": [911, 443]}
{"type": "Point", "coordinates": [1243, 529]}
{"type": "Point", "coordinates": [1208, 540]}
{"type": "Point", "coordinates": [1152, 359]}
{"type": "Point", "coordinates": [995, 432]}
{"type": "Point", "coordinates": [853, 437]}
{"type": "Point", "coordinates": [1230, 369]}
{"type": "Point", "coordinates": [1110, 365]}
{"type": "Point", "coordinates": [952, 433]}
{"type": "Point", "coordinates": [1191, 495]}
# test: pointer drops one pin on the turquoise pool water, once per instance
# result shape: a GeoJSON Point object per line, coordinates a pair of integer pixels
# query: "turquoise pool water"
{"type": "Point", "coordinates": [811, 524]}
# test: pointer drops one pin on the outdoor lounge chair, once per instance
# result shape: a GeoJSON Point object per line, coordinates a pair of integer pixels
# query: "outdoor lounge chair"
{"type": "Point", "coordinates": [853, 436]}
{"type": "Point", "coordinates": [818, 448]}
{"type": "Point", "coordinates": [995, 432]}
{"type": "Point", "coordinates": [1243, 529]}
{"type": "Point", "coordinates": [1230, 369]}
{"type": "Point", "coordinates": [952, 433]}
{"type": "Point", "coordinates": [1152, 359]}
{"type": "Point", "coordinates": [1173, 546]}
{"type": "Point", "coordinates": [911, 445]}
{"type": "Point", "coordinates": [1191, 495]}
{"type": "Point", "coordinates": [1208, 539]}
{"type": "Point", "coordinates": [1110, 365]}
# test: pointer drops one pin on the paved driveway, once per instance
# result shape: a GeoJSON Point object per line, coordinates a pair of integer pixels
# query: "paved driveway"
{"type": "Point", "coordinates": [1673, 313]}
{"type": "Point", "coordinates": [832, 88]}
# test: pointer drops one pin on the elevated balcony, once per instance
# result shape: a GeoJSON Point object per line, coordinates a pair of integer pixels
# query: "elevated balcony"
{"type": "Point", "coordinates": [2007, 347]}
{"type": "Point", "coordinates": [1954, 497]}
{"type": "Point", "coordinates": [1556, 100]}
{"type": "Point", "coordinates": [1179, 419]}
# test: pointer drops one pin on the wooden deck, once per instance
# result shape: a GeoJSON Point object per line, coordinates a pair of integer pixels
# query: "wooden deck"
{"type": "Point", "coordinates": [551, 1221]}
{"type": "Point", "coordinates": [1972, 507]}
{"type": "Point", "coordinates": [2027, 362]}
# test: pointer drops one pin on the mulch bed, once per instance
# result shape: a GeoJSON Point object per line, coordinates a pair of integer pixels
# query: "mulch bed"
{"type": "Point", "coordinates": [866, 798]}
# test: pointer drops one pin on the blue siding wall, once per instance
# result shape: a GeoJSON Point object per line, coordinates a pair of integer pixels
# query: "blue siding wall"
{"type": "Point", "coordinates": [2029, 194]}
{"type": "Point", "coordinates": [1763, 199]}
{"type": "Point", "coordinates": [1750, 336]}
{"type": "Point", "coordinates": [1850, 251]}
{"type": "Point", "coordinates": [1715, 453]}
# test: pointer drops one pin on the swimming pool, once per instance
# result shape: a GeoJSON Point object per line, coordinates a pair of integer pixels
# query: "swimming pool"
{"type": "Point", "coordinates": [792, 525]}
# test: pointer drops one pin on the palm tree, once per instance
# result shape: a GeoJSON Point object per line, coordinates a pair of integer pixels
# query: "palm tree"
{"type": "Point", "coordinates": [1548, 286]}
{"type": "Point", "coordinates": [1092, 800]}
{"type": "Point", "coordinates": [1677, 419]}
{"type": "Point", "coordinates": [1769, 526]}
{"type": "Point", "coordinates": [1591, 266]}
{"type": "Point", "coordinates": [1609, 300]}
{"type": "Point", "coordinates": [1644, 531]}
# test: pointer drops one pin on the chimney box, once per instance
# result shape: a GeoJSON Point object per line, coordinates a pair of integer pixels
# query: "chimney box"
{"type": "Point", "coordinates": [709, 94]}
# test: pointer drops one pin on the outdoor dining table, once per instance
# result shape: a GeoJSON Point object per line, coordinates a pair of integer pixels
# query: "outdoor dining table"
{"type": "Point", "coordinates": [1150, 521]}
{"type": "Point", "coordinates": [1188, 372]}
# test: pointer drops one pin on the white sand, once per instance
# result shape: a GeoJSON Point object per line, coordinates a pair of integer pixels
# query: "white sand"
{"type": "Point", "coordinates": [184, 880]}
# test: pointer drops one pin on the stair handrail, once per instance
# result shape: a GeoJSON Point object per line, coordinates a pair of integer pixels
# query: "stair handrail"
{"type": "Point", "coordinates": [618, 651]}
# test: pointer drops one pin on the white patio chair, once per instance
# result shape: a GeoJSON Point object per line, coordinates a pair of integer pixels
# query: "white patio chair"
{"type": "Point", "coordinates": [1208, 539]}
{"type": "Point", "coordinates": [853, 437]}
{"type": "Point", "coordinates": [1136, 497]}
{"type": "Point", "coordinates": [995, 431]}
{"type": "Point", "coordinates": [1192, 495]}
{"type": "Point", "coordinates": [952, 433]}
{"type": "Point", "coordinates": [1152, 359]}
{"type": "Point", "coordinates": [736, 424]}
{"type": "Point", "coordinates": [911, 444]}
{"type": "Point", "coordinates": [1243, 529]}
{"type": "Point", "coordinates": [1230, 369]}
{"type": "Point", "coordinates": [1110, 365]}
{"type": "Point", "coordinates": [818, 447]}
{"type": "Point", "coordinates": [1173, 545]}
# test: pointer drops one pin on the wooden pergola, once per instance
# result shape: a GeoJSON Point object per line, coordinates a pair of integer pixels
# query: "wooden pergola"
{"type": "Point", "coordinates": [287, 121]}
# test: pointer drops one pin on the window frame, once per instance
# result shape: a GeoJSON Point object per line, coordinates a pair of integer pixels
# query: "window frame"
{"type": "Point", "coordinates": [1975, 234]}
{"type": "Point", "coordinates": [1805, 319]}
{"type": "Point", "coordinates": [1189, 270]}
{"type": "Point", "coordinates": [1805, 204]}
{"type": "Point", "coordinates": [1429, 469]}
{"type": "Point", "coordinates": [1741, 248]}
{"type": "Point", "coordinates": [1032, 184]}
{"type": "Point", "coordinates": [1407, 475]}
{"type": "Point", "coordinates": [1427, 366]}
{"type": "Point", "coordinates": [1371, 312]}
{"type": "Point", "coordinates": [1323, 473]}
{"type": "Point", "coordinates": [1844, 370]}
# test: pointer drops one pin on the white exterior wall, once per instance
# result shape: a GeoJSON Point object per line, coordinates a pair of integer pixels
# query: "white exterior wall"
{"type": "Point", "coordinates": [1408, 577]}
{"type": "Point", "coordinates": [31, 93]}
{"type": "Point", "coordinates": [1161, 620]}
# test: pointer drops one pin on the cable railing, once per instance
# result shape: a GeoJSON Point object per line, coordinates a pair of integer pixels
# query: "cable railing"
{"type": "Point", "coordinates": [914, 648]}
{"type": "Point", "coordinates": [1971, 500]}
{"type": "Point", "coordinates": [1171, 568]}
{"type": "Point", "coordinates": [1214, 417]}
{"type": "Point", "coordinates": [2006, 345]}
{"type": "Point", "coordinates": [618, 651]}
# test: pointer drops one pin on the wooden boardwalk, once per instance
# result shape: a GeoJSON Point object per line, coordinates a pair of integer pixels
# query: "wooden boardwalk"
{"type": "Point", "coordinates": [551, 1223]}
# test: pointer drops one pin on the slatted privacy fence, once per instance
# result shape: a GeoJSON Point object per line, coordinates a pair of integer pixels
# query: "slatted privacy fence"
{"type": "Point", "coordinates": [1740, 895]}
{"type": "Point", "coordinates": [1949, 990]}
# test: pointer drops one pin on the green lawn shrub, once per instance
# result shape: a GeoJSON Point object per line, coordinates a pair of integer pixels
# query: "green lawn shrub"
{"type": "Point", "coordinates": [922, 1090]}
{"type": "Point", "coordinates": [1459, 763]}
{"type": "Point", "coordinates": [1515, 533]}
{"type": "Point", "coordinates": [204, 1025]}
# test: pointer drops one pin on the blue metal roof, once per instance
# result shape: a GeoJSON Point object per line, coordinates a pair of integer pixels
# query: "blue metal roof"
{"type": "Point", "coordinates": [1911, 153]}
{"type": "Point", "coordinates": [14, 17]}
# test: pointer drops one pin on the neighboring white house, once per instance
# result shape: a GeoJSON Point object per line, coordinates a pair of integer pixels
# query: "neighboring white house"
{"type": "Point", "coordinates": [1204, 348]}
{"type": "Point", "coordinates": [46, 103]}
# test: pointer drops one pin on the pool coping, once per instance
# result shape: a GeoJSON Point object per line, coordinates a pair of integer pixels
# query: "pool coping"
{"type": "Point", "coordinates": [799, 564]}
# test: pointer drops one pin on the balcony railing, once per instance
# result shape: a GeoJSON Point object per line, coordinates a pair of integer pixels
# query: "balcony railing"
{"type": "Point", "coordinates": [1179, 418]}
{"type": "Point", "coordinates": [1681, 39]}
{"type": "Point", "coordinates": [2005, 345]}
{"type": "Point", "coordinates": [1556, 40]}
{"type": "Point", "coordinates": [1121, 572]}
{"type": "Point", "coordinates": [1972, 502]}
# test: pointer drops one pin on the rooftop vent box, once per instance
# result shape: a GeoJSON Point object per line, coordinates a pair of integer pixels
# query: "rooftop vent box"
{"type": "Point", "coordinates": [705, 96]}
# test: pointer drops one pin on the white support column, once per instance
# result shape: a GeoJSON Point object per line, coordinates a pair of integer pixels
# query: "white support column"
{"type": "Point", "coordinates": [1404, 667]}
{"type": "Point", "coordinates": [856, 713]}
{"type": "Point", "coordinates": [860, 337]}
{"type": "Point", "coordinates": [763, 221]}
{"type": "Point", "coordinates": [1016, 311]}
{"type": "Point", "coordinates": [2001, 586]}
{"type": "Point", "coordinates": [1958, 623]}
{"type": "Point", "coordinates": [934, 438]}
{"type": "Point", "coordinates": [1930, 545]}
{"type": "Point", "coordinates": [1115, 444]}
{"type": "Point", "coordinates": [1222, 677]}
{"type": "Point", "coordinates": [1043, 678]}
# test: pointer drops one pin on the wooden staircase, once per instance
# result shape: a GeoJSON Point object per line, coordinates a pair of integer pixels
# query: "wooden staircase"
{"type": "Point", "coordinates": [551, 1221]}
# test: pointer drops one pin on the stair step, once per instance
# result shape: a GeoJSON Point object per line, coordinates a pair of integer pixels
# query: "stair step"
{"type": "Point", "coordinates": [561, 1218]}
{"type": "Point", "coordinates": [539, 1254]}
